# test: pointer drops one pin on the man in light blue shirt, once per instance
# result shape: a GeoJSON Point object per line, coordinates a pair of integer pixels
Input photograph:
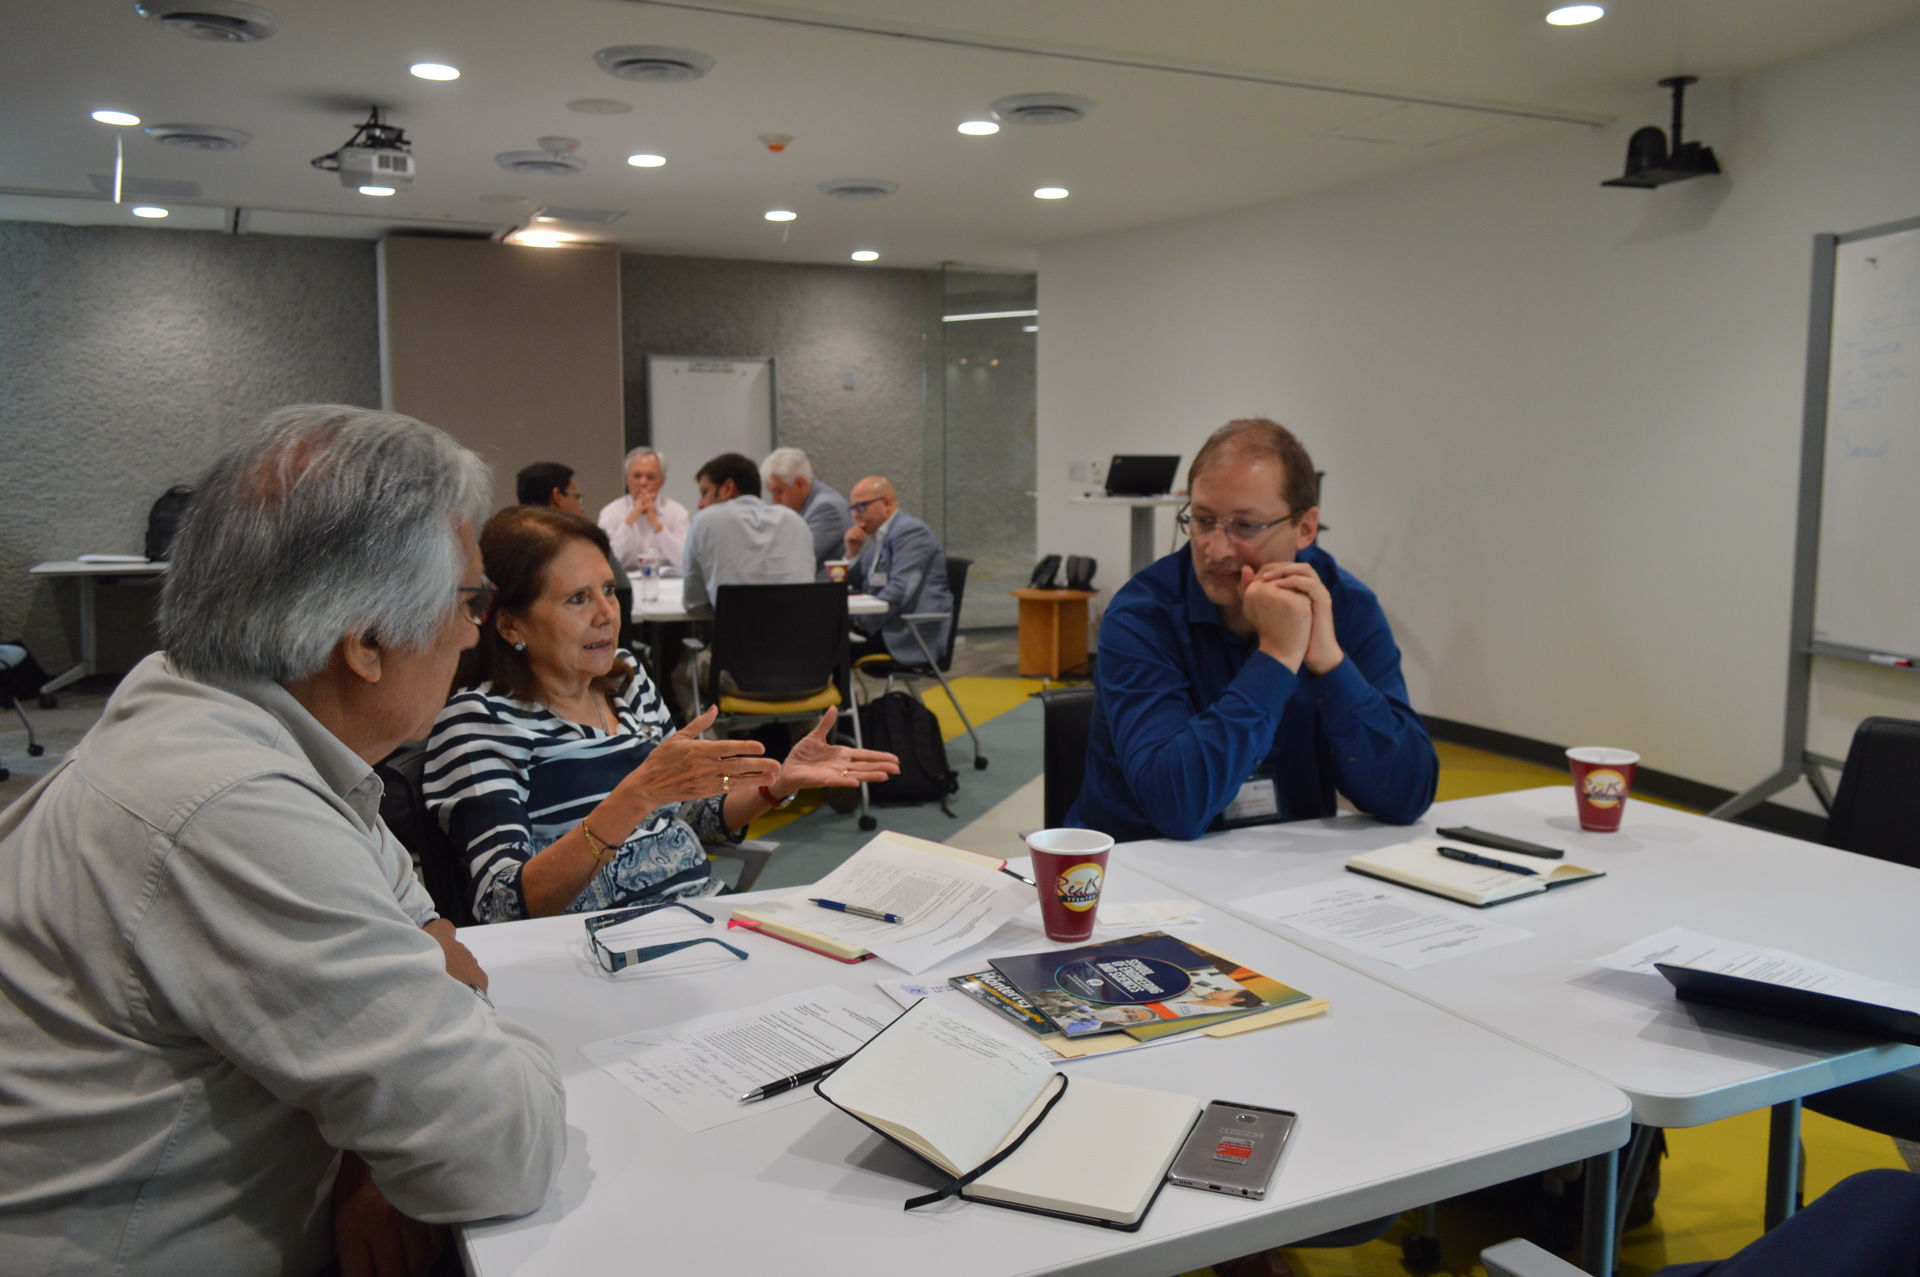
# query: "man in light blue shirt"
{"type": "Point", "coordinates": [790, 482]}
{"type": "Point", "coordinates": [739, 539]}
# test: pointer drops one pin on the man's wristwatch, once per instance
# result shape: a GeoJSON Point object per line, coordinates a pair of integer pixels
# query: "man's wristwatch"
{"type": "Point", "coordinates": [778, 804]}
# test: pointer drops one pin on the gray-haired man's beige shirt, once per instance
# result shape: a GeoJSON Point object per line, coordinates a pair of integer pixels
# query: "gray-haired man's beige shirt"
{"type": "Point", "coordinates": [213, 976]}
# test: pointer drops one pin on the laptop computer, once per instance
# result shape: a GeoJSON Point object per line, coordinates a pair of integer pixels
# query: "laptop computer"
{"type": "Point", "coordinates": [1142, 476]}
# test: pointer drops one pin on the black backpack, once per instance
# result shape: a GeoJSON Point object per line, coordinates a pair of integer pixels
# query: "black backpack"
{"type": "Point", "coordinates": [899, 724]}
{"type": "Point", "coordinates": [163, 521]}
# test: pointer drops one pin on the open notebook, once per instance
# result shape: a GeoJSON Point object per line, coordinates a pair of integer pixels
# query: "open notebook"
{"type": "Point", "coordinates": [955, 1094]}
{"type": "Point", "coordinates": [1419, 864]}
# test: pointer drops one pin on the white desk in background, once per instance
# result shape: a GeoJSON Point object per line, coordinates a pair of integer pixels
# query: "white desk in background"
{"type": "Point", "coordinates": [1140, 525]}
{"type": "Point", "coordinates": [85, 577]}
{"type": "Point", "coordinates": [1681, 1064]}
{"type": "Point", "coordinates": [1400, 1104]}
{"type": "Point", "coordinates": [667, 606]}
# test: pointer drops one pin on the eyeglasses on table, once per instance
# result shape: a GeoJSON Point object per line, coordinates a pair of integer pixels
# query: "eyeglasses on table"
{"type": "Point", "coordinates": [612, 960]}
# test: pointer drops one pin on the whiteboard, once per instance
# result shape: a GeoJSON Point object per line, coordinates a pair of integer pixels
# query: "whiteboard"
{"type": "Point", "coordinates": [700, 408]}
{"type": "Point", "coordinates": [1865, 596]}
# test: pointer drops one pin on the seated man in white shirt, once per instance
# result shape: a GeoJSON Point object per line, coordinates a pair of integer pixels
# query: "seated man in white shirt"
{"type": "Point", "coordinates": [739, 539]}
{"type": "Point", "coordinates": [790, 482]}
{"type": "Point", "coordinates": [643, 523]}
{"type": "Point", "coordinates": [232, 1028]}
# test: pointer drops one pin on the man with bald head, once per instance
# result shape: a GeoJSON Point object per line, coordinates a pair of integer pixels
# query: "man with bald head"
{"type": "Point", "coordinates": [1248, 677]}
{"type": "Point", "coordinates": [896, 558]}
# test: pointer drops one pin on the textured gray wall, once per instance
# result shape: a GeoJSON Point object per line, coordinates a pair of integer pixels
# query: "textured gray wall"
{"type": "Point", "coordinates": [820, 323]}
{"type": "Point", "coordinates": [125, 356]}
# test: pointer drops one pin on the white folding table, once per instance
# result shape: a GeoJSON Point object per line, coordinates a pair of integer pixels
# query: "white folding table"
{"type": "Point", "coordinates": [85, 577]}
{"type": "Point", "coordinates": [1680, 1064]}
{"type": "Point", "coordinates": [668, 607]}
{"type": "Point", "coordinates": [1400, 1104]}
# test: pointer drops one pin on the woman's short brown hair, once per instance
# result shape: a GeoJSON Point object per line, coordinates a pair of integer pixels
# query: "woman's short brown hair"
{"type": "Point", "coordinates": [1259, 437]}
{"type": "Point", "coordinates": [516, 547]}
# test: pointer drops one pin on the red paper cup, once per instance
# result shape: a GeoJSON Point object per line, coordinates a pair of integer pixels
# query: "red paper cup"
{"type": "Point", "coordinates": [1071, 867]}
{"type": "Point", "coordinates": [1602, 779]}
{"type": "Point", "coordinates": [836, 570]}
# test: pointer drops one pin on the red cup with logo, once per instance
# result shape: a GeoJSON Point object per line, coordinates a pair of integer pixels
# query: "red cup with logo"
{"type": "Point", "coordinates": [1070, 866]}
{"type": "Point", "coordinates": [1602, 779]}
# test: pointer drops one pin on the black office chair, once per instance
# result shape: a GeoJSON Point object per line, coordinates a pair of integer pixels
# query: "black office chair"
{"type": "Point", "coordinates": [403, 806]}
{"type": "Point", "coordinates": [1876, 812]}
{"type": "Point", "coordinates": [779, 654]}
{"type": "Point", "coordinates": [891, 668]}
{"type": "Point", "coordinates": [1067, 718]}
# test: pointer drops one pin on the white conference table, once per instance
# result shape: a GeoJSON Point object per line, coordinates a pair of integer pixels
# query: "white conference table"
{"type": "Point", "coordinates": [1681, 1064]}
{"type": "Point", "coordinates": [85, 577]}
{"type": "Point", "coordinates": [1400, 1104]}
{"type": "Point", "coordinates": [667, 606]}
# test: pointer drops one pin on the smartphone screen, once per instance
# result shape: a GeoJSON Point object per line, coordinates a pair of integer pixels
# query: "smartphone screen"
{"type": "Point", "coordinates": [1233, 1148]}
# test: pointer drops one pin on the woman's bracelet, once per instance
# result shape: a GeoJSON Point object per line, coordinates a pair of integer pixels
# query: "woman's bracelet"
{"type": "Point", "coordinates": [601, 852]}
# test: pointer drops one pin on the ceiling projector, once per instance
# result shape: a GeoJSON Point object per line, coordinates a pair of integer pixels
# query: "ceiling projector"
{"type": "Point", "coordinates": [376, 155]}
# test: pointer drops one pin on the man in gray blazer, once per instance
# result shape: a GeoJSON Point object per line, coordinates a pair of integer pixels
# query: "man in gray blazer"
{"type": "Point", "coordinates": [896, 558]}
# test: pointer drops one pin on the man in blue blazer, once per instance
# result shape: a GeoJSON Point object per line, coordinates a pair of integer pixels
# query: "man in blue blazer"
{"type": "Point", "coordinates": [897, 558]}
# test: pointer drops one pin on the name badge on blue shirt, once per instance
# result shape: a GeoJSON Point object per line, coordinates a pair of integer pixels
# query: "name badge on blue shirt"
{"type": "Point", "coordinates": [877, 581]}
{"type": "Point", "coordinates": [1257, 803]}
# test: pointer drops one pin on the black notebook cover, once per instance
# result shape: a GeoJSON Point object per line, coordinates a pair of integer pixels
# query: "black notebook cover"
{"type": "Point", "coordinates": [1874, 1020]}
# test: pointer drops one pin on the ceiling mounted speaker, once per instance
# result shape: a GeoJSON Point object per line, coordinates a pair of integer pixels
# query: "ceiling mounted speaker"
{"type": "Point", "coordinates": [1042, 108]}
{"type": "Point", "coordinates": [540, 163]}
{"type": "Point", "coordinates": [228, 21]}
{"type": "Point", "coordinates": [859, 188]}
{"type": "Point", "coordinates": [198, 137]}
{"type": "Point", "coordinates": [654, 63]}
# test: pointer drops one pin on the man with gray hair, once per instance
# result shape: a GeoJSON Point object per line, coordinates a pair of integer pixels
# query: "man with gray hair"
{"type": "Point", "coordinates": [642, 523]}
{"type": "Point", "coordinates": [788, 476]}
{"type": "Point", "coordinates": [232, 1028]}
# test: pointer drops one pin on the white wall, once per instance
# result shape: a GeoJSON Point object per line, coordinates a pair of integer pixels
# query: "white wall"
{"type": "Point", "coordinates": [1560, 423]}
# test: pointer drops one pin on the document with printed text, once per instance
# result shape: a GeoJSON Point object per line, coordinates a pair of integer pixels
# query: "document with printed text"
{"type": "Point", "coordinates": [1683, 947]}
{"type": "Point", "coordinates": [1382, 922]}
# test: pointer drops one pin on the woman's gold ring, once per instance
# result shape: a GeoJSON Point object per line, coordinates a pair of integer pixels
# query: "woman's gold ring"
{"type": "Point", "coordinates": [726, 783]}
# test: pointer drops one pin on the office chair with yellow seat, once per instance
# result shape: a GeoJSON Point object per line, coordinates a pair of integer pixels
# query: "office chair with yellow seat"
{"type": "Point", "coordinates": [779, 654]}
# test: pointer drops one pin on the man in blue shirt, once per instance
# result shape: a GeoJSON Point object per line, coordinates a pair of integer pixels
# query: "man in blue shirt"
{"type": "Point", "coordinates": [1249, 677]}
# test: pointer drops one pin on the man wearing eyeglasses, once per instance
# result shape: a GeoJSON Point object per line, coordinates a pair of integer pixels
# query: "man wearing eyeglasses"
{"type": "Point", "coordinates": [896, 558]}
{"type": "Point", "coordinates": [1248, 677]}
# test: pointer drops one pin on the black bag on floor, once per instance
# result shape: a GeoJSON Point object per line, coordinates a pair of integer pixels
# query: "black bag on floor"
{"type": "Point", "coordinates": [163, 521]}
{"type": "Point", "coordinates": [899, 724]}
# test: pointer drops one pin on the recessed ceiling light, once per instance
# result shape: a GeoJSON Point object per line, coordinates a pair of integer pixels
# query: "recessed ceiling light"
{"type": "Point", "coordinates": [646, 160]}
{"type": "Point", "coordinates": [1031, 328]}
{"type": "Point", "coordinates": [376, 190]}
{"type": "Point", "coordinates": [540, 239]}
{"type": "Point", "coordinates": [434, 71]}
{"type": "Point", "coordinates": [120, 118]}
{"type": "Point", "coordinates": [1574, 15]}
{"type": "Point", "coordinates": [979, 128]}
{"type": "Point", "coordinates": [780, 215]}
{"type": "Point", "coordinates": [1051, 193]}
{"type": "Point", "coordinates": [865, 255]}
{"type": "Point", "coordinates": [148, 210]}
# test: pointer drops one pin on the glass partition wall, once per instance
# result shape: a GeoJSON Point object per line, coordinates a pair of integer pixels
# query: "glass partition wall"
{"type": "Point", "coordinates": [980, 445]}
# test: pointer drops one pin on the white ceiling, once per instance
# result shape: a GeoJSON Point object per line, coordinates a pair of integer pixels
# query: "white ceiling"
{"type": "Point", "coordinates": [1250, 116]}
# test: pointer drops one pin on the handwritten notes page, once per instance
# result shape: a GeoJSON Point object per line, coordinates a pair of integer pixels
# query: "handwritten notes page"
{"type": "Point", "coordinates": [1382, 922]}
{"type": "Point", "coordinates": [696, 1071]}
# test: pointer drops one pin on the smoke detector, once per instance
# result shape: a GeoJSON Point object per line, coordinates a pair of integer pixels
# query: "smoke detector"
{"type": "Point", "coordinates": [227, 21]}
{"type": "Point", "coordinates": [1042, 108]}
{"type": "Point", "coordinates": [859, 188]}
{"type": "Point", "coordinates": [654, 63]}
{"type": "Point", "coordinates": [198, 137]}
{"type": "Point", "coordinates": [555, 158]}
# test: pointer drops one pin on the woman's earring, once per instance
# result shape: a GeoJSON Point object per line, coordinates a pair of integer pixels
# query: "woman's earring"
{"type": "Point", "coordinates": [519, 647]}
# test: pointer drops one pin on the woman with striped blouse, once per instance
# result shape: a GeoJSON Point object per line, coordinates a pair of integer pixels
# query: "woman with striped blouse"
{"type": "Point", "coordinates": [558, 771]}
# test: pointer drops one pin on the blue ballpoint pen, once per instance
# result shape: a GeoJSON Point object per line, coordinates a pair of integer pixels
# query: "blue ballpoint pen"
{"type": "Point", "coordinates": [858, 910]}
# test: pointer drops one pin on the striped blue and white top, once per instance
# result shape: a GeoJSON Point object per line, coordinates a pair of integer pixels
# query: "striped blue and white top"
{"type": "Point", "coordinates": [505, 778]}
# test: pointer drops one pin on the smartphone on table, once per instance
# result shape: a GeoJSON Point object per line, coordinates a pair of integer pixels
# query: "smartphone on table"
{"type": "Point", "coordinates": [1233, 1149]}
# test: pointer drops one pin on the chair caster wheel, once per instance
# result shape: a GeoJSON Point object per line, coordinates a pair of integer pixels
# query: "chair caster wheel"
{"type": "Point", "coordinates": [5, 774]}
{"type": "Point", "coordinates": [35, 750]}
{"type": "Point", "coordinates": [49, 700]}
{"type": "Point", "coordinates": [868, 823]}
{"type": "Point", "coordinates": [979, 764]}
{"type": "Point", "coordinates": [1420, 1252]}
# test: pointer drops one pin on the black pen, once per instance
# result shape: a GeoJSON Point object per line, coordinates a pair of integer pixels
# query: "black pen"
{"type": "Point", "coordinates": [1015, 873]}
{"type": "Point", "coordinates": [792, 1080]}
{"type": "Point", "coordinates": [1474, 858]}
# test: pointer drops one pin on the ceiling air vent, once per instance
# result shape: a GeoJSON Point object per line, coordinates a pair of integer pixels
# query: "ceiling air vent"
{"type": "Point", "coordinates": [654, 63]}
{"type": "Point", "coordinates": [555, 158]}
{"type": "Point", "coordinates": [595, 216]}
{"type": "Point", "coordinates": [198, 137]}
{"type": "Point", "coordinates": [859, 188]}
{"type": "Point", "coordinates": [228, 21]}
{"type": "Point", "coordinates": [1042, 108]}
